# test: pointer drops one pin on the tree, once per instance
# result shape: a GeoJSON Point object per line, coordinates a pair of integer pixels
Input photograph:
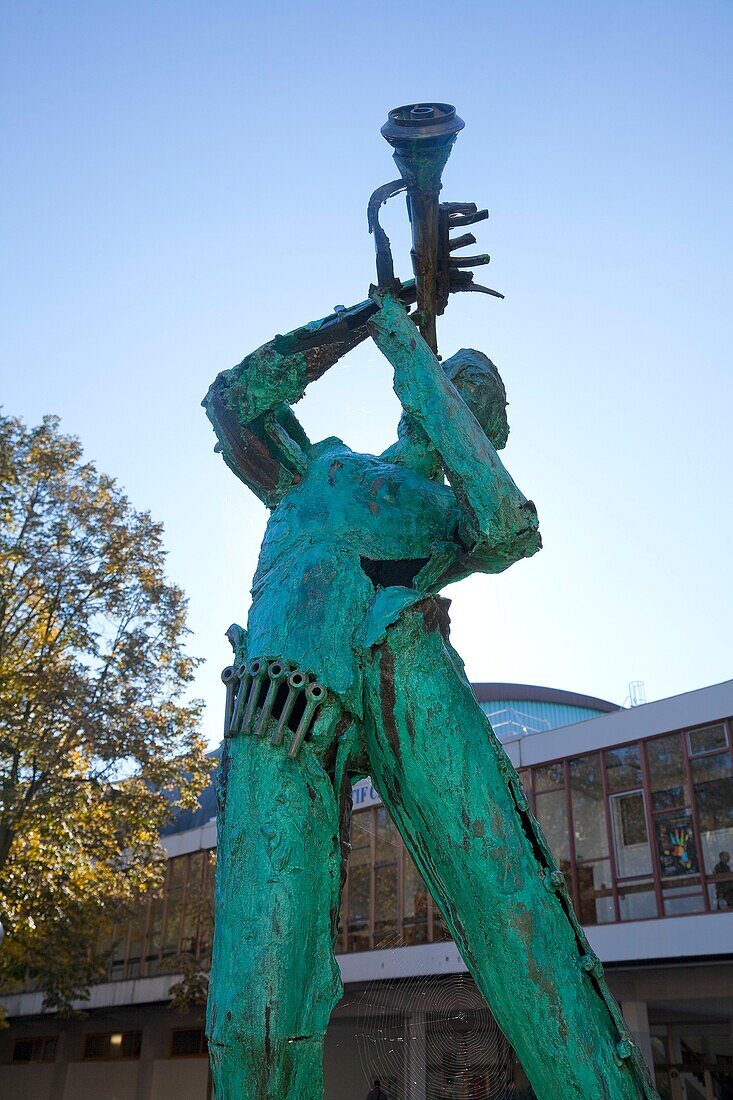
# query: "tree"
{"type": "Point", "coordinates": [99, 744]}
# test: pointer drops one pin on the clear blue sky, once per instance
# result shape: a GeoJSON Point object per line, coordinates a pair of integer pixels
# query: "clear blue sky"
{"type": "Point", "coordinates": [182, 180]}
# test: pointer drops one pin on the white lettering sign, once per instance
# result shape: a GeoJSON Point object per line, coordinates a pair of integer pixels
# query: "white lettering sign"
{"type": "Point", "coordinates": [364, 795]}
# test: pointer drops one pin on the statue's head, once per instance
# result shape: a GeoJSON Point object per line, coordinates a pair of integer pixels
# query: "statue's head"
{"type": "Point", "coordinates": [479, 384]}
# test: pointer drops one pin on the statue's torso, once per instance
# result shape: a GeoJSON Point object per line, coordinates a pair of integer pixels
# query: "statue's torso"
{"type": "Point", "coordinates": [320, 558]}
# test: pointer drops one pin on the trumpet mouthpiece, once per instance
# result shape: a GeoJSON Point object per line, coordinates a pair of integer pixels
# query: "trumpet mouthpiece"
{"type": "Point", "coordinates": [422, 136]}
{"type": "Point", "coordinates": [420, 122]}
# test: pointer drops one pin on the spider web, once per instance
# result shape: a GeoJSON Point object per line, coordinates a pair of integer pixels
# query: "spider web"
{"type": "Point", "coordinates": [432, 1026]}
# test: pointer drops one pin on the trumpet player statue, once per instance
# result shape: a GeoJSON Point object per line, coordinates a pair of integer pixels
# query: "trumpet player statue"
{"type": "Point", "coordinates": [345, 669]}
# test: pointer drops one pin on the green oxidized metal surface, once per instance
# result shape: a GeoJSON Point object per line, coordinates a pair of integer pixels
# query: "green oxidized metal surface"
{"type": "Point", "coordinates": [345, 669]}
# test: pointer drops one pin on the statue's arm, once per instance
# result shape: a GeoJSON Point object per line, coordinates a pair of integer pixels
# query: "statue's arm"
{"type": "Point", "coordinates": [259, 436]}
{"type": "Point", "coordinates": [498, 525]}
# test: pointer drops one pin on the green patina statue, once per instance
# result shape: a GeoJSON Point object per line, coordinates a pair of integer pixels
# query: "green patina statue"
{"type": "Point", "coordinates": [345, 669]}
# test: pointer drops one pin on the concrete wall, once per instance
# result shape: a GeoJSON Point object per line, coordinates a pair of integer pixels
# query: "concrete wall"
{"type": "Point", "coordinates": [180, 1079]}
{"type": "Point", "coordinates": [26, 1082]}
{"type": "Point", "coordinates": [100, 1081]}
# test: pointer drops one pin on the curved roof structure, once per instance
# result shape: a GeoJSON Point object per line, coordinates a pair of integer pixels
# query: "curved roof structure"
{"type": "Point", "coordinates": [497, 692]}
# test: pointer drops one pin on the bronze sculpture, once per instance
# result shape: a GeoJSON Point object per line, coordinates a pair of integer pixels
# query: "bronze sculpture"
{"type": "Point", "coordinates": [345, 669]}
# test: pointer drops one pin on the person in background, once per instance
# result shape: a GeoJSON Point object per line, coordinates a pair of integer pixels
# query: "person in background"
{"type": "Point", "coordinates": [724, 890]}
{"type": "Point", "coordinates": [377, 1092]}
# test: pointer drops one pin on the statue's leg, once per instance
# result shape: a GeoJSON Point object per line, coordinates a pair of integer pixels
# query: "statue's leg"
{"type": "Point", "coordinates": [458, 804]}
{"type": "Point", "coordinates": [274, 980]}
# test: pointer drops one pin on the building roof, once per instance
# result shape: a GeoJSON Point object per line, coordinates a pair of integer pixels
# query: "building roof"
{"type": "Point", "coordinates": [488, 692]}
{"type": "Point", "coordinates": [689, 709]}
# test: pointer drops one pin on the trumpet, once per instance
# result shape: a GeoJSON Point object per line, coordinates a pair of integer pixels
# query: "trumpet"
{"type": "Point", "coordinates": [422, 136]}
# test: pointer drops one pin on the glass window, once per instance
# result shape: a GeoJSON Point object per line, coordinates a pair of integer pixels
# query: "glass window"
{"type": "Point", "coordinates": [118, 952]}
{"type": "Point", "coordinates": [135, 939]}
{"type": "Point", "coordinates": [187, 1041]}
{"type": "Point", "coordinates": [676, 844]}
{"type": "Point", "coordinates": [35, 1049]}
{"type": "Point", "coordinates": [595, 893]}
{"type": "Point", "coordinates": [415, 904]}
{"type": "Point", "coordinates": [551, 812]}
{"type": "Point", "coordinates": [130, 1046]}
{"type": "Point", "coordinates": [712, 780]}
{"type": "Point", "coordinates": [441, 931]}
{"type": "Point", "coordinates": [386, 880]}
{"type": "Point", "coordinates": [360, 873]}
{"type": "Point", "coordinates": [678, 899]}
{"type": "Point", "coordinates": [589, 810]}
{"type": "Point", "coordinates": [206, 909]}
{"type": "Point", "coordinates": [113, 1044]}
{"type": "Point", "coordinates": [23, 1050]}
{"type": "Point", "coordinates": [637, 900]}
{"type": "Point", "coordinates": [667, 778]}
{"type": "Point", "coordinates": [707, 739]}
{"type": "Point", "coordinates": [549, 776]}
{"type": "Point", "coordinates": [633, 856]}
{"type": "Point", "coordinates": [188, 920]}
{"type": "Point", "coordinates": [154, 936]}
{"type": "Point", "coordinates": [174, 890]}
{"type": "Point", "coordinates": [623, 767]}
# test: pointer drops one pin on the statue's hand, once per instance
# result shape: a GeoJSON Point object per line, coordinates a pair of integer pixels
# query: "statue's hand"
{"type": "Point", "coordinates": [453, 272]}
{"type": "Point", "coordinates": [237, 636]}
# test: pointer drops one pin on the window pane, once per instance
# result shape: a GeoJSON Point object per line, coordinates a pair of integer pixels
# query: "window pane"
{"type": "Point", "coordinates": [189, 919]}
{"type": "Point", "coordinates": [385, 906]}
{"type": "Point", "coordinates": [35, 1050]}
{"type": "Point", "coordinates": [415, 903]}
{"type": "Point", "coordinates": [360, 875]}
{"type": "Point", "coordinates": [131, 1043]}
{"type": "Point", "coordinates": [385, 879]}
{"type": "Point", "coordinates": [155, 931]}
{"type": "Point", "coordinates": [637, 900]}
{"type": "Point", "coordinates": [667, 778]}
{"type": "Point", "coordinates": [441, 930]}
{"type": "Point", "coordinates": [595, 893]}
{"type": "Point", "coordinates": [387, 837]}
{"type": "Point", "coordinates": [676, 844]}
{"type": "Point", "coordinates": [623, 768]}
{"type": "Point", "coordinates": [551, 775]}
{"type": "Point", "coordinates": [136, 936]}
{"type": "Point", "coordinates": [206, 910]}
{"type": "Point", "coordinates": [176, 879]}
{"type": "Point", "coordinates": [707, 739]}
{"type": "Point", "coordinates": [713, 782]}
{"type": "Point", "coordinates": [678, 900]}
{"type": "Point", "coordinates": [187, 1041]}
{"type": "Point", "coordinates": [552, 816]}
{"type": "Point", "coordinates": [119, 952]}
{"type": "Point", "coordinates": [23, 1050]}
{"type": "Point", "coordinates": [630, 836]}
{"type": "Point", "coordinates": [96, 1046]}
{"type": "Point", "coordinates": [116, 1044]}
{"type": "Point", "coordinates": [589, 811]}
{"type": "Point", "coordinates": [49, 1049]}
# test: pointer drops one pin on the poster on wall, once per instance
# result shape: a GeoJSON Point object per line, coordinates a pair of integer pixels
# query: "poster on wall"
{"type": "Point", "coordinates": [676, 845]}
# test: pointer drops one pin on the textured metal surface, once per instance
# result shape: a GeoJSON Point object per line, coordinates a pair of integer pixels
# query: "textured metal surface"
{"type": "Point", "coordinates": [356, 549]}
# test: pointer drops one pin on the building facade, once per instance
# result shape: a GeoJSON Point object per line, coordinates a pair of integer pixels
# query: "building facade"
{"type": "Point", "coordinates": [638, 807]}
